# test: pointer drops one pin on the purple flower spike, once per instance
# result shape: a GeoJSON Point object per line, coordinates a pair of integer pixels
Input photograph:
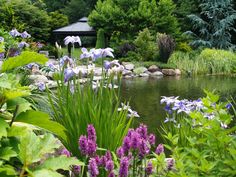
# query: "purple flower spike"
{"type": "Point", "coordinates": [126, 144]}
{"type": "Point", "coordinates": [120, 152]}
{"type": "Point", "coordinates": [159, 149]}
{"type": "Point", "coordinates": [149, 168]}
{"type": "Point", "coordinates": [109, 165]}
{"type": "Point", "coordinates": [91, 133]}
{"type": "Point", "coordinates": [151, 139]}
{"type": "Point", "coordinates": [135, 140]}
{"type": "Point", "coordinates": [65, 152]}
{"type": "Point", "coordinates": [25, 35]}
{"type": "Point", "coordinates": [92, 147]}
{"type": "Point", "coordinates": [124, 167]}
{"type": "Point", "coordinates": [170, 163]}
{"type": "Point", "coordinates": [93, 168]}
{"type": "Point", "coordinates": [76, 169]}
{"type": "Point", "coordinates": [108, 155]}
{"type": "Point", "coordinates": [111, 174]}
{"type": "Point", "coordinates": [144, 149]}
{"type": "Point", "coordinates": [83, 144]}
{"type": "Point", "coordinates": [142, 130]}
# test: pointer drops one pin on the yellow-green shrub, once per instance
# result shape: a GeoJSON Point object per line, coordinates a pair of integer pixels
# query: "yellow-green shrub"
{"type": "Point", "coordinates": [216, 54]}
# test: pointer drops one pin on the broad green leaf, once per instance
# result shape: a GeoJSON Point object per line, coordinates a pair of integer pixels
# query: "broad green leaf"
{"type": "Point", "coordinates": [17, 131]}
{"type": "Point", "coordinates": [46, 173]}
{"type": "Point", "coordinates": [61, 162]}
{"type": "Point", "coordinates": [18, 92]}
{"type": "Point", "coordinates": [7, 171]}
{"type": "Point", "coordinates": [41, 120]}
{"type": "Point", "coordinates": [6, 153]}
{"type": "Point", "coordinates": [25, 58]}
{"type": "Point", "coordinates": [32, 148]}
{"type": "Point", "coordinates": [3, 128]}
{"type": "Point", "coordinates": [23, 105]}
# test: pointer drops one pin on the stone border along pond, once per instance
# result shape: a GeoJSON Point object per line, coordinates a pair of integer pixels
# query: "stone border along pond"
{"type": "Point", "coordinates": [40, 76]}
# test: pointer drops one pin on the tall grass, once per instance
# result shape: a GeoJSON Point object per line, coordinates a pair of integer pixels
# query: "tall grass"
{"type": "Point", "coordinates": [86, 105]}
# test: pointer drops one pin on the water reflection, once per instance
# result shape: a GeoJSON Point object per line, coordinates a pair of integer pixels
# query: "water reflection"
{"type": "Point", "coordinates": [145, 93]}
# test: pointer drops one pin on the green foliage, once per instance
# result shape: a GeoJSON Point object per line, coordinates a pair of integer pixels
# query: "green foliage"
{"type": "Point", "coordinates": [208, 148]}
{"type": "Point", "coordinates": [166, 22]}
{"type": "Point", "coordinates": [145, 45]}
{"type": "Point", "coordinates": [25, 58]}
{"type": "Point", "coordinates": [166, 46]}
{"type": "Point", "coordinates": [57, 20]}
{"type": "Point", "coordinates": [25, 16]}
{"type": "Point", "coordinates": [214, 25]}
{"type": "Point", "coordinates": [100, 43]}
{"type": "Point", "coordinates": [184, 47]}
{"type": "Point", "coordinates": [84, 105]}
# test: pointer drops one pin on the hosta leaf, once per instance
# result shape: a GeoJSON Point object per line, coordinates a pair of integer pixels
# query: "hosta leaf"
{"type": "Point", "coordinates": [61, 162]}
{"type": "Point", "coordinates": [14, 93]}
{"type": "Point", "coordinates": [17, 131]}
{"type": "Point", "coordinates": [6, 153]}
{"type": "Point", "coordinates": [41, 120]}
{"type": "Point", "coordinates": [44, 173]}
{"type": "Point", "coordinates": [23, 105]}
{"type": "Point", "coordinates": [3, 128]}
{"type": "Point", "coordinates": [25, 58]}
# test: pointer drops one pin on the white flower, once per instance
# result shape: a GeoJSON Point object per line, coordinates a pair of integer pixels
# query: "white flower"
{"type": "Point", "coordinates": [72, 39]}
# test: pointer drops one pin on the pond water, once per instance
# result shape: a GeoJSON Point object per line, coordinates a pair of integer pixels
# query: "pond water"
{"type": "Point", "coordinates": [144, 94]}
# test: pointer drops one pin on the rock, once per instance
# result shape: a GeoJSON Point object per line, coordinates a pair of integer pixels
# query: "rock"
{"type": "Point", "coordinates": [139, 70]}
{"type": "Point", "coordinates": [147, 72]}
{"type": "Point", "coordinates": [38, 78]}
{"type": "Point", "coordinates": [53, 61]}
{"type": "Point", "coordinates": [177, 72]}
{"type": "Point", "coordinates": [126, 72]}
{"type": "Point", "coordinates": [169, 72]}
{"type": "Point", "coordinates": [52, 84]}
{"type": "Point", "coordinates": [153, 68]}
{"type": "Point", "coordinates": [157, 73]}
{"type": "Point", "coordinates": [35, 70]}
{"type": "Point", "coordinates": [128, 66]}
{"type": "Point", "coordinates": [144, 75]}
{"type": "Point", "coordinates": [128, 76]}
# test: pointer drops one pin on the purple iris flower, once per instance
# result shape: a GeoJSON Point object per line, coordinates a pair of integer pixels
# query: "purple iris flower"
{"type": "Point", "coordinates": [228, 106]}
{"type": "Point", "coordinates": [23, 44]}
{"type": "Point", "coordinates": [107, 65]}
{"type": "Point", "coordinates": [25, 35]}
{"type": "Point", "coordinates": [14, 33]}
{"type": "Point", "coordinates": [1, 39]}
{"type": "Point", "coordinates": [68, 73]}
{"type": "Point", "coordinates": [65, 60]}
{"type": "Point", "coordinates": [85, 53]}
{"type": "Point", "coordinates": [41, 86]}
{"type": "Point", "coordinates": [124, 167]}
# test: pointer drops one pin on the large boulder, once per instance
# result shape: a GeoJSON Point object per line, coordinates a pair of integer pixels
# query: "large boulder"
{"type": "Point", "coordinates": [169, 72]}
{"type": "Point", "coordinates": [153, 68]}
{"type": "Point", "coordinates": [157, 73]}
{"type": "Point", "coordinates": [143, 75]}
{"type": "Point", "coordinates": [38, 78]}
{"type": "Point", "coordinates": [128, 66]}
{"type": "Point", "coordinates": [126, 72]}
{"type": "Point", "coordinates": [139, 70]}
{"type": "Point", "coordinates": [177, 72]}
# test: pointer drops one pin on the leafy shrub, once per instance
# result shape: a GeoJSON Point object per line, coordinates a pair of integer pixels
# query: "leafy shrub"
{"type": "Point", "coordinates": [145, 45]}
{"type": "Point", "coordinates": [166, 46]}
{"type": "Point", "coordinates": [184, 47]}
{"type": "Point", "coordinates": [100, 43]}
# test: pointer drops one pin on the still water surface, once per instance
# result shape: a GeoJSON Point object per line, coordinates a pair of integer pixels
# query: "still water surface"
{"type": "Point", "coordinates": [144, 94]}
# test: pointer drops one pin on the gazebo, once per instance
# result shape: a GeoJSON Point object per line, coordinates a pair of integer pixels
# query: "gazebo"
{"type": "Point", "coordinates": [80, 28]}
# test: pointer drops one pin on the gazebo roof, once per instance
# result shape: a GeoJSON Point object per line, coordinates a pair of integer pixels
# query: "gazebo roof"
{"type": "Point", "coordinates": [81, 28]}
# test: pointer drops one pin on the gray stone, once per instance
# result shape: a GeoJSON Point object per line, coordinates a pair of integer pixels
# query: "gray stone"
{"type": "Point", "coordinates": [38, 78]}
{"type": "Point", "coordinates": [153, 68]}
{"type": "Point", "coordinates": [143, 75]}
{"type": "Point", "coordinates": [177, 72]}
{"type": "Point", "coordinates": [52, 84]}
{"type": "Point", "coordinates": [139, 70]}
{"type": "Point", "coordinates": [128, 66]}
{"type": "Point", "coordinates": [147, 72]}
{"type": "Point", "coordinates": [157, 73]}
{"type": "Point", "coordinates": [169, 72]}
{"type": "Point", "coordinates": [128, 76]}
{"type": "Point", "coordinates": [126, 72]}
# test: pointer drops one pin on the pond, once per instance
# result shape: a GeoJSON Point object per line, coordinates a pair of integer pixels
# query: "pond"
{"type": "Point", "coordinates": [144, 94]}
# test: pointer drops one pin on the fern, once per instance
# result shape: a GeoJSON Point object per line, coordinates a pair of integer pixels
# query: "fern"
{"type": "Point", "coordinates": [25, 58]}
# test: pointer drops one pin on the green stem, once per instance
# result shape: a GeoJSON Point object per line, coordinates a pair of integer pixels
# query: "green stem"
{"type": "Point", "coordinates": [22, 171]}
{"type": "Point", "coordinates": [14, 115]}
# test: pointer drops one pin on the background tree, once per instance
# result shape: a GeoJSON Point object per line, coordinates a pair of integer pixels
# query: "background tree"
{"type": "Point", "coordinates": [214, 25]}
